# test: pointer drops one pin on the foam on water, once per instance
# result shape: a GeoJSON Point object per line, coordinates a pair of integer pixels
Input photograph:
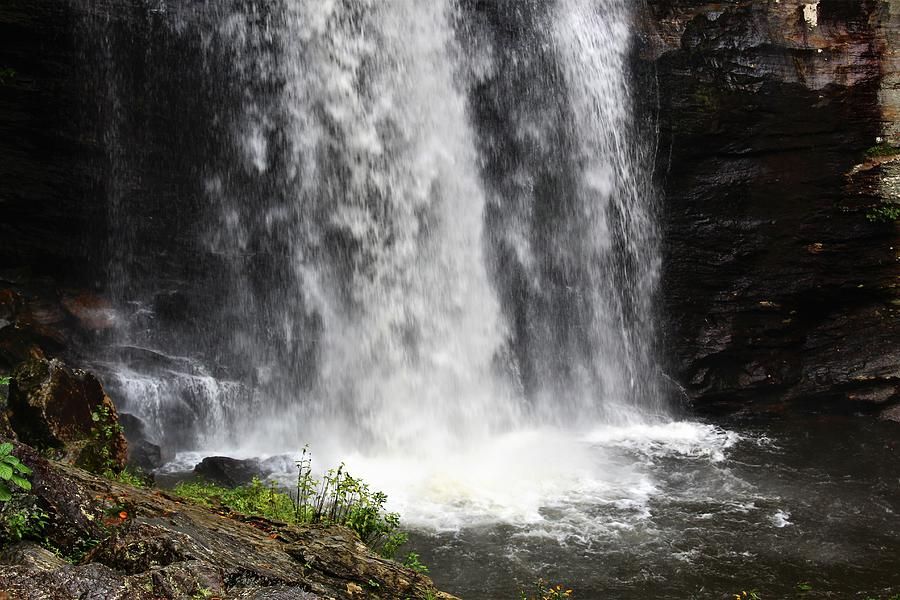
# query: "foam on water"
{"type": "Point", "coordinates": [545, 482]}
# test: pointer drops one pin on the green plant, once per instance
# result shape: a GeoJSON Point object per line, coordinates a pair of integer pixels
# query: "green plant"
{"type": "Point", "coordinates": [344, 500]}
{"type": "Point", "coordinates": [882, 149]}
{"type": "Point", "coordinates": [804, 586]}
{"type": "Point", "coordinates": [12, 472]}
{"type": "Point", "coordinates": [6, 73]}
{"type": "Point", "coordinates": [751, 595]}
{"type": "Point", "coordinates": [4, 380]}
{"type": "Point", "coordinates": [75, 553]}
{"type": "Point", "coordinates": [26, 521]}
{"type": "Point", "coordinates": [541, 590]}
{"type": "Point", "coordinates": [413, 563]}
{"type": "Point", "coordinates": [884, 213]}
{"type": "Point", "coordinates": [255, 499]}
{"type": "Point", "coordinates": [104, 434]}
{"type": "Point", "coordinates": [338, 499]}
{"type": "Point", "coordinates": [132, 478]}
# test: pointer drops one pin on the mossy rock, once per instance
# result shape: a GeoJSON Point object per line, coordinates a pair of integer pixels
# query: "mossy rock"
{"type": "Point", "coordinates": [54, 408]}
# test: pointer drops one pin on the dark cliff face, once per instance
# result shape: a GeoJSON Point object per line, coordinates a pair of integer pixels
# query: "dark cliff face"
{"type": "Point", "coordinates": [777, 285]}
{"type": "Point", "coordinates": [44, 185]}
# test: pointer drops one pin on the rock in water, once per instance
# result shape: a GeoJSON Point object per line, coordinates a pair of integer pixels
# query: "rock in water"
{"type": "Point", "coordinates": [229, 472]}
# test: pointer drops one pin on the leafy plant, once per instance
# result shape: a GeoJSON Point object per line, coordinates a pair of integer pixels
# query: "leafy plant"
{"type": "Point", "coordinates": [412, 562]}
{"type": "Point", "coordinates": [76, 552]}
{"type": "Point", "coordinates": [12, 472]}
{"type": "Point", "coordinates": [136, 479]}
{"type": "Point", "coordinates": [751, 595]}
{"type": "Point", "coordinates": [104, 434]}
{"type": "Point", "coordinates": [804, 586]}
{"type": "Point", "coordinates": [541, 590]}
{"type": "Point", "coordinates": [342, 499]}
{"type": "Point", "coordinates": [884, 213]}
{"type": "Point", "coordinates": [6, 73]}
{"type": "Point", "coordinates": [22, 518]}
{"type": "Point", "coordinates": [337, 499]}
{"type": "Point", "coordinates": [882, 149]}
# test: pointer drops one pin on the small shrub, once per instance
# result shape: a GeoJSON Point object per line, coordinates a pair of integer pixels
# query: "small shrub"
{"type": "Point", "coordinates": [12, 473]}
{"type": "Point", "coordinates": [541, 590]}
{"type": "Point", "coordinates": [344, 500]}
{"type": "Point", "coordinates": [413, 563]}
{"type": "Point", "coordinates": [337, 499]}
{"type": "Point", "coordinates": [22, 519]}
{"type": "Point", "coordinates": [882, 149]}
{"type": "Point", "coordinates": [884, 213]}
{"type": "Point", "coordinates": [103, 433]}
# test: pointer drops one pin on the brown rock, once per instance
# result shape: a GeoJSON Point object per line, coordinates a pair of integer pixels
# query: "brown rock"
{"type": "Point", "coordinates": [164, 547]}
{"type": "Point", "coordinates": [891, 414]}
{"type": "Point", "coordinates": [53, 406]}
{"type": "Point", "coordinates": [92, 312]}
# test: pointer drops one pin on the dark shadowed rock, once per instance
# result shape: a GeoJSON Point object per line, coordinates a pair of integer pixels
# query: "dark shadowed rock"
{"type": "Point", "coordinates": [229, 472]}
{"type": "Point", "coordinates": [143, 454]}
{"type": "Point", "coordinates": [776, 284]}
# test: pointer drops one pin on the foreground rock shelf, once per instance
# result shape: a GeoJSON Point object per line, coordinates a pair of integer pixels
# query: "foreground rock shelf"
{"type": "Point", "coordinates": [147, 544]}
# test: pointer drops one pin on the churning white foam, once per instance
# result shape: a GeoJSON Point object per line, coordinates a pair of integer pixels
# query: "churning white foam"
{"type": "Point", "coordinates": [545, 480]}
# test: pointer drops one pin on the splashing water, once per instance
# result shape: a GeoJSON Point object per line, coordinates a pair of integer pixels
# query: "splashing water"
{"type": "Point", "coordinates": [356, 223]}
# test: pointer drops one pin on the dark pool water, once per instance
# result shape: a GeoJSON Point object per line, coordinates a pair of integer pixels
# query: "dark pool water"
{"type": "Point", "coordinates": [803, 502]}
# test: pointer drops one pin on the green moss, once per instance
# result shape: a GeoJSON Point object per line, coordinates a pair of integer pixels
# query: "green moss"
{"type": "Point", "coordinates": [337, 499]}
{"type": "Point", "coordinates": [255, 500]}
{"type": "Point", "coordinates": [884, 213]}
{"type": "Point", "coordinates": [881, 150]}
{"type": "Point", "coordinates": [708, 97]}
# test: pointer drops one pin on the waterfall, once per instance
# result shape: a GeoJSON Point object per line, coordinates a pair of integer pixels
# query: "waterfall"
{"type": "Point", "coordinates": [418, 225]}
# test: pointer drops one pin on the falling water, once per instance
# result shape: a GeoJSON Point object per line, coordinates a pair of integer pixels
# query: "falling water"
{"type": "Point", "coordinates": [423, 229]}
{"type": "Point", "coordinates": [420, 236]}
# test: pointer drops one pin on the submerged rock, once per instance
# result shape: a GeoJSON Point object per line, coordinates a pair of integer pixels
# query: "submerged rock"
{"type": "Point", "coordinates": [150, 545]}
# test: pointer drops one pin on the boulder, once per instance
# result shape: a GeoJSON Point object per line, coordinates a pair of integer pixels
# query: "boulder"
{"type": "Point", "coordinates": [229, 472]}
{"type": "Point", "coordinates": [55, 407]}
{"type": "Point", "coordinates": [143, 454]}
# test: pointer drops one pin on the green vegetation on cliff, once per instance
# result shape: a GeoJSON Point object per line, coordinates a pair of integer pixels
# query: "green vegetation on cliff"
{"type": "Point", "coordinates": [338, 499]}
